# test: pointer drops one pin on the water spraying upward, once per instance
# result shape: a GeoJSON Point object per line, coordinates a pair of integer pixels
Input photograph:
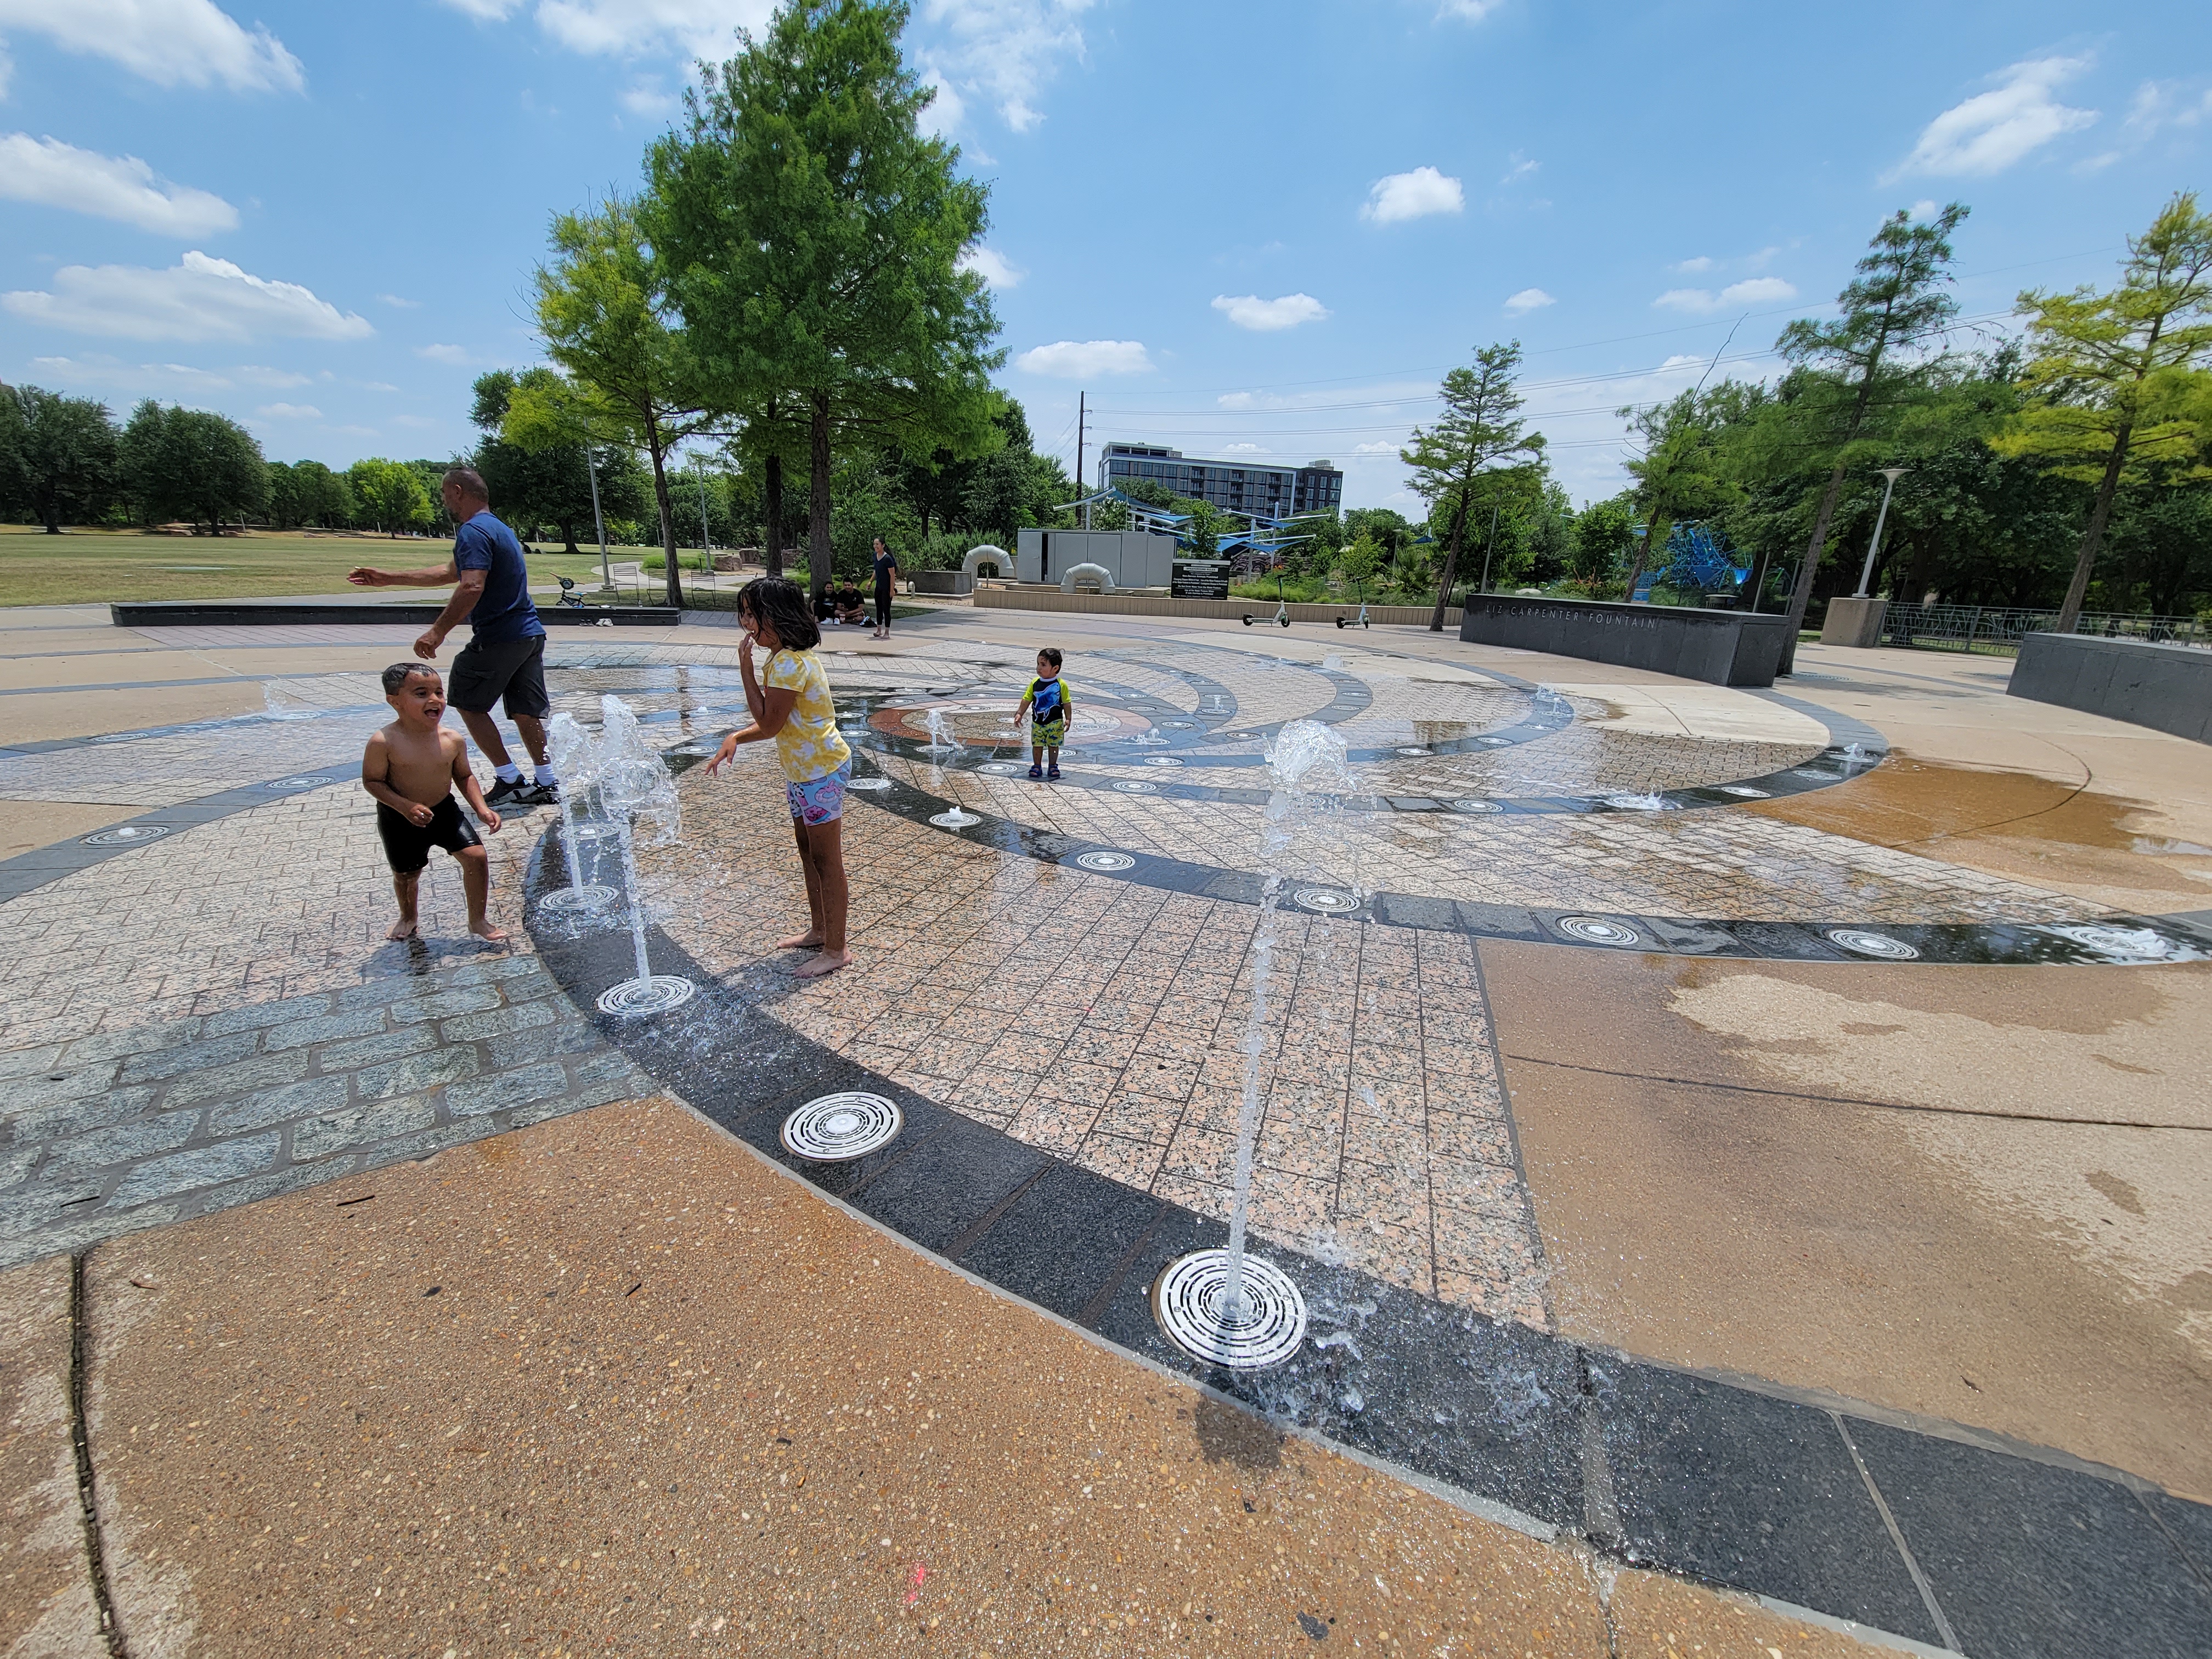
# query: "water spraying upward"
{"type": "Point", "coordinates": [1225, 1305]}
{"type": "Point", "coordinates": [941, 740]}
{"type": "Point", "coordinates": [575, 763]}
{"type": "Point", "coordinates": [641, 798]}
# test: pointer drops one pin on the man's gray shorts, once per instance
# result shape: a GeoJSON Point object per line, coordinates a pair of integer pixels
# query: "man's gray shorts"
{"type": "Point", "coordinates": [511, 672]}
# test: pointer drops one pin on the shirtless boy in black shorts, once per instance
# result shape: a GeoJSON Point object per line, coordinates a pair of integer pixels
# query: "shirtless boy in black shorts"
{"type": "Point", "coordinates": [411, 766]}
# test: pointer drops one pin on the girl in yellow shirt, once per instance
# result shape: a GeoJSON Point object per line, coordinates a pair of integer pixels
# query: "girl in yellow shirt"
{"type": "Point", "coordinates": [790, 702]}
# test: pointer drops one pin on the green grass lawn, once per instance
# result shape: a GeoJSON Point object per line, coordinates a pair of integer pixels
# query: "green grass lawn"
{"type": "Point", "coordinates": [97, 566]}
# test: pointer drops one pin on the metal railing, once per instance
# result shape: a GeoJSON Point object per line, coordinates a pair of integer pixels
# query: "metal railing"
{"type": "Point", "coordinates": [1998, 628]}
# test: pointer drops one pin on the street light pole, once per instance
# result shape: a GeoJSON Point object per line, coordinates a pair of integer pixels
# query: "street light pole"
{"type": "Point", "coordinates": [606, 570]}
{"type": "Point", "coordinates": [1866, 575]}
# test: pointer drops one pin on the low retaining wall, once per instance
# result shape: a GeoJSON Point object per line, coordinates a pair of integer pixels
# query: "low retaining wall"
{"type": "Point", "coordinates": [1721, 648]}
{"type": "Point", "coordinates": [1263, 610]}
{"type": "Point", "coordinates": [2167, 688]}
{"type": "Point", "coordinates": [280, 613]}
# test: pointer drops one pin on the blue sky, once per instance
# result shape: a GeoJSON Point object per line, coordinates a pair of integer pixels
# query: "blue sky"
{"type": "Point", "coordinates": [1252, 230]}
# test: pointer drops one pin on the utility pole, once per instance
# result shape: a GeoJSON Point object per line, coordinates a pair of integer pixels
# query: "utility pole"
{"type": "Point", "coordinates": [1082, 400]}
{"type": "Point", "coordinates": [606, 571]}
{"type": "Point", "coordinates": [1489, 550]}
{"type": "Point", "coordinates": [1874, 547]}
{"type": "Point", "coordinates": [706, 538]}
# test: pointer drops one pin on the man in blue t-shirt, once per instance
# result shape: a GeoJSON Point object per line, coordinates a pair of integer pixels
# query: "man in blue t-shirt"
{"type": "Point", "coordinates": [504, 660]}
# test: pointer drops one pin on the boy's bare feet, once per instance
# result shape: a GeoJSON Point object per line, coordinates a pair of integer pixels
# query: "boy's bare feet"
{"type": "Point", "coordinates": [490, 934]}
{"type": "Point", "coordinates": [828, 962]}
{"type": "Point", "coordinates": [403, 928]}
{"type": "Point", "coordinates": [807, 941]}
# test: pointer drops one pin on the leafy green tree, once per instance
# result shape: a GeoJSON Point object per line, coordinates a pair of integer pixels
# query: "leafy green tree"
{"type": "Point", "coordinates": [389, 495]}
{"type": "Point", "coordinates": [2110, 373]}
{"type": "Point", "coordinates": [544, 478]}
{"type": "Point", "coordinates": [192, 463]}
{"type": "Point", "coordinates": [604, 311]}
{"type": "Point", "coordinates": [58, 456]}
{"type": "Point", "coordinates": [1891, 310]}
{"type": "Point", "coordinates": [817, 234]}
{"type": "Point", "coordinates": [1603, 536]}
{"type": "Point", "coordinates": [1551, 542]}
{"type": "Point", "coordinates": [1357, 564]}
{"type": "Point", "coordinates": [303, 493]}
{"type": "Point", "coordinates": [1479, 436]}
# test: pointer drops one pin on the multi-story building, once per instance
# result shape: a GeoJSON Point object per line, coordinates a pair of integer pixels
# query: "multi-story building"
{"type": "Point", "coordinates": [1239, 486]}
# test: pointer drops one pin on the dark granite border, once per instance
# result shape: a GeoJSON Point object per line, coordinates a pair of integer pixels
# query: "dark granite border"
{"type": "Point", "coordinates": [1850, 1517]}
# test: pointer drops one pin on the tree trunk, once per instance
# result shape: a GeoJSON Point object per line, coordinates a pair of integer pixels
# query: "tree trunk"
{"type": "Point", "coordinates": [655, 448]}
{"type": "Point", "coordinates": [772, 501]}
{"type": "Point", "coordinates": [52, 515]}
{"type": "Point", "coordinates": [818, 496]}
{"type": "Point", "coordinates": [1801, 596]}
{"type": "Point", "coordinates": [1643, 558]}
{"type": "Point", "coordinates": [1451, 564]}
{"type": "Point", "coordinates": [2084, 562]}
{"type": "Point", "coordinates": [567, 529]}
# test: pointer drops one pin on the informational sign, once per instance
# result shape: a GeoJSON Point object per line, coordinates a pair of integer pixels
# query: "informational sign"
{"type": "Point", "coordinates": [1199, 579]}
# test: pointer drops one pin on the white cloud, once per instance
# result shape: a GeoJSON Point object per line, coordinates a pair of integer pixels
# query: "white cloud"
{"type": "Point", "coordinates": [1003, 50]}
{"type": "Point", "coordinates": [1245, 449]}
{"type": "Point", "coordinates": [1468, 11]}
{"type": "Point", "coordinates": [1692, 267]}
{"type": "Point", "coordinates": [1236, 400]}
{"type": "Point", "coordinates": [378, 386]}
{"type": "Point", "coordinates": [1266, 316]}
{"type": "Point", "coordinates": [1075, 360]}
{"type": "Point", "coordinates": [1528, 299]}
{"type": "Point", "coordinates": [443, 354]}
{"type": "Point", "coordinates": [1374, 449]}
{"type": "Point", "coordinates": [200, 299]}
{"type": "Point", "coordinates": [1413, 196]}
{"type": "Point", "coordinates": [1517, 167]}
{"type": "Point", "coordinates": [54, 175]}
{"type": "Point", "coordinates": [289, 412]}
{"type": "Point", "coordinates": [2167, 104]}
{"type": "Point", "coordinates": [192, 42]}
{"type": "Point", "coordinates": [1992, 131]}
{"type": "Point", "coordinates": [991, 265]}
{"type": "Point", "coordinates": [629, 28]}
{"type": "Point", "coordinates": [1752, 291]}
{"type": "Point", "coordinates": [648, 99]}
{"type": "Point", "coordinates": [403, 305]}
{"type": "Point", "coordinates": [1924, 209]}
{"type": "Point", "coordinates": [96, 369]}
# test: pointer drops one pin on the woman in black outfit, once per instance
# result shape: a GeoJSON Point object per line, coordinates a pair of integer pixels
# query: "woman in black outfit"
{"type": "Point", "coordinates": [886, 573]}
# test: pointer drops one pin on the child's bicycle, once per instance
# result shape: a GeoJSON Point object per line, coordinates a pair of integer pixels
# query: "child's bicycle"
{"type": "Point", "coordinates": [569, 594]}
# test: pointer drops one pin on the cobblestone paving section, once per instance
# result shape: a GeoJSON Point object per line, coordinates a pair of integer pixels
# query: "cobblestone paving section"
{"type": "Point", "coordinates": [281, 900]}
{"type": "Point", "coordinates": [164, 1119]}
{"type": "Point", "coordinates": [1719, 863]}
{"type": "Point", "coordinates": [1102, 1022]}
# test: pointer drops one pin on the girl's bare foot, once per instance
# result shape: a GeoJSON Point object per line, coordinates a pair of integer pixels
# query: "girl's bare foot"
{"type": "Point", "coordinates": [488, 933]}
{"type": "Point", "coordinates": [828, 962]}
{"type": "Point", "coordinates": [807, 941]}
{"type": "Point", "coordinates": [403, 928]}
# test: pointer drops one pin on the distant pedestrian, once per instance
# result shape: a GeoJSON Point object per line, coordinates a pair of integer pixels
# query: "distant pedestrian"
{"type": "Point", "coordinates": [1046, 703]}
{"type": "Point", "coordinates": [886, 575]}
{"type": "Point", "coordinates": [790, 702]}
{"type": "Point", "coordinates": [504, 660]}
{"type": "Point", "coordinates": [410, 768]}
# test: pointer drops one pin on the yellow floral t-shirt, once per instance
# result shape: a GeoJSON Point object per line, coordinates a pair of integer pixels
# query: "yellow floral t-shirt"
{"type": "Point", "coordinates": [809, 746]}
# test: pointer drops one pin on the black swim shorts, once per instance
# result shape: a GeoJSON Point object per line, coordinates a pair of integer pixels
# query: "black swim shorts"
{"type": "Point", "coordinates": [407, 847]}
{"type": "Point", "coordinates": [511, 672]}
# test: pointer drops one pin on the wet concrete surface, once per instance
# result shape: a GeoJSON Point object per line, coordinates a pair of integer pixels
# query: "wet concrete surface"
{"type": "Point", "coordinates": [1968, 1194]}
{"type": "Point", "coordinates": [613, 1384]}
{"type": "Point", "coordinates": [2126, 852]}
